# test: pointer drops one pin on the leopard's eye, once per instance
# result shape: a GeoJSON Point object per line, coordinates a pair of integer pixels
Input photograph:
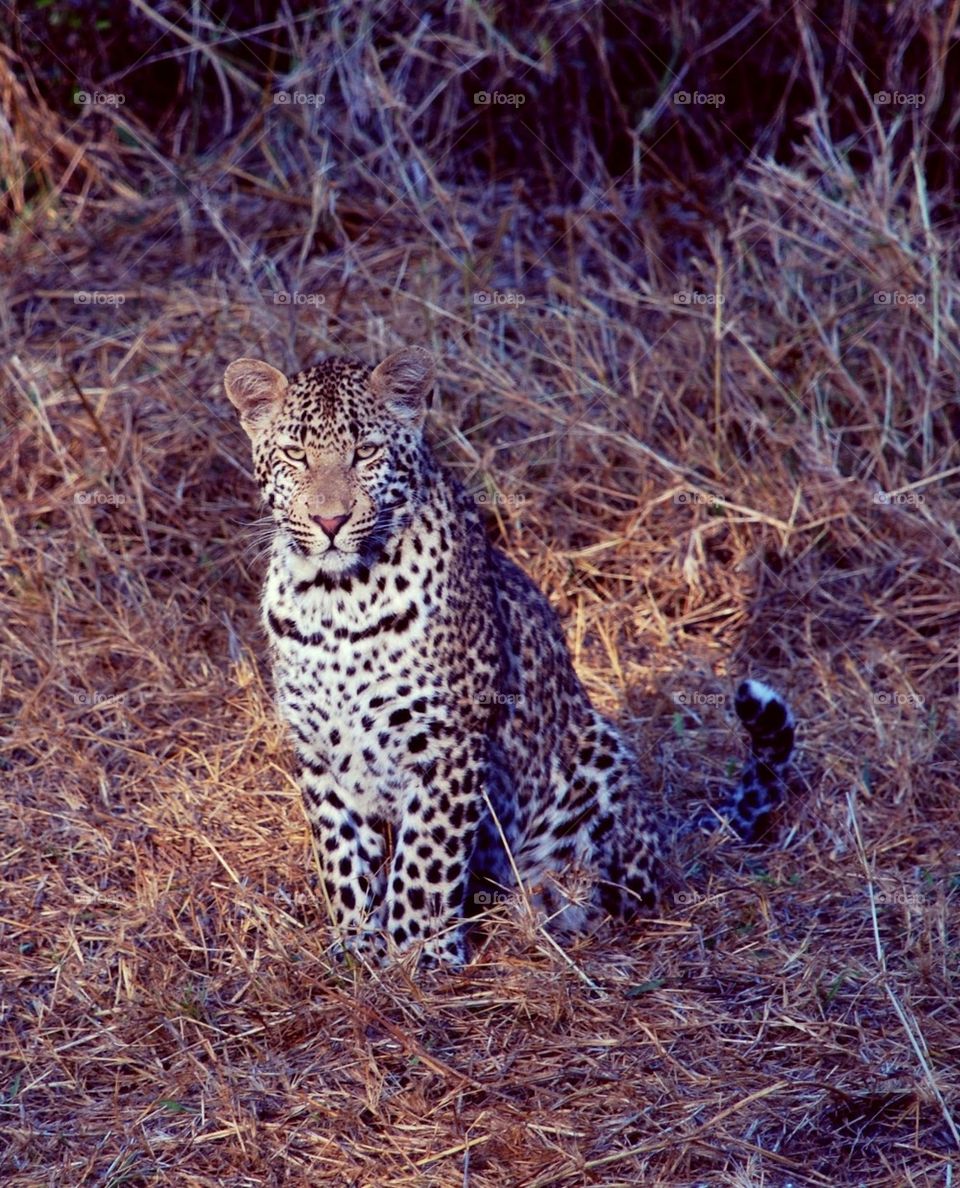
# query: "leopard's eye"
{"type": "Point", "coordinates": [295, 454]}
{"type": "Point", "coordinates": [366, 450]}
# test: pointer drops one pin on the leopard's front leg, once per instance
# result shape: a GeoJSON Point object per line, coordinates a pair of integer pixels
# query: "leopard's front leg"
{"type": "Point", "coordinates": [350, 855]}
{"type": "Point", "coordinates": [428, 875]}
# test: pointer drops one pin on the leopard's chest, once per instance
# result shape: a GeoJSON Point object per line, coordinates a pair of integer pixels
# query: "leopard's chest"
{"type": "Point", "coordinates": [350, 672]}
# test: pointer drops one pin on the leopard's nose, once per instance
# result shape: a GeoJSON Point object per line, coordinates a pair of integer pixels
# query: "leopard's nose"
{"type": "Point", "coordinates": [330, 524]}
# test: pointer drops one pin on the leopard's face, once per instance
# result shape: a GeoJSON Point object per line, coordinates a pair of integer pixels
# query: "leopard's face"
{"type": "Point", "coordinates": [337, 450]}
{"type": "Point", "coordinates": [336, 468]}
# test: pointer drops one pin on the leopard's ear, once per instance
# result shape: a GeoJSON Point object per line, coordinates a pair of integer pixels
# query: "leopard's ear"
{"type": "Point", "coordinates": [257, 391]}
{"type": "Point", "coordinates": [404, 382]}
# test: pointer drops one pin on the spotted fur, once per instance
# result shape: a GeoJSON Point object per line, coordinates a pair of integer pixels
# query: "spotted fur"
{"type": "Point", "coordinates": [750, 807]}
{"type": "Point", "coordinates": [443, 739]}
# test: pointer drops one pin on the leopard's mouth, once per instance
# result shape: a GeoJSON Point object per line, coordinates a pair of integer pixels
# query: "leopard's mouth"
{"type": "Point", "coordinates": [305, 543]}
{"type": "Point", "coordinates": [326, 549]}
{"type": "Point", "coordinates": [362, 546]}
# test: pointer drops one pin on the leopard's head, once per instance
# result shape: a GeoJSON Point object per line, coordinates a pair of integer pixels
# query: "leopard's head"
{"type": "Point", "coordinates": [337, 449]}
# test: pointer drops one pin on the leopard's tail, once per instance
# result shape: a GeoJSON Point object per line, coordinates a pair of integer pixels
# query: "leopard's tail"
{"type": "Point", "coordinates": [750, 806]}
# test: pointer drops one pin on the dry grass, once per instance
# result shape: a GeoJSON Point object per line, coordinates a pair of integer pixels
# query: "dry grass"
{"type": "Point", "coordinates": [763, 483]}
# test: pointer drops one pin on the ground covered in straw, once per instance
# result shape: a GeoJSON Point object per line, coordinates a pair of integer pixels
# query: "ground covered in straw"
{"type": "Point", "coordinates": [716, 421]}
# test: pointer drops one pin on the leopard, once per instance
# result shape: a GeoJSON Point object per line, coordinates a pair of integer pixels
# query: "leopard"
{"type": "Point", "coordinates": [444, 743]}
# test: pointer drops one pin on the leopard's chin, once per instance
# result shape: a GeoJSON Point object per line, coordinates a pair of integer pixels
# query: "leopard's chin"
{"type": "Point", "coordinates": [336, 560]}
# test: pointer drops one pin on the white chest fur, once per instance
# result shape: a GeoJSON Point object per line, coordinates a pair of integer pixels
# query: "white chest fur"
{"type": "Point", "coordinates": [345, 661]}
